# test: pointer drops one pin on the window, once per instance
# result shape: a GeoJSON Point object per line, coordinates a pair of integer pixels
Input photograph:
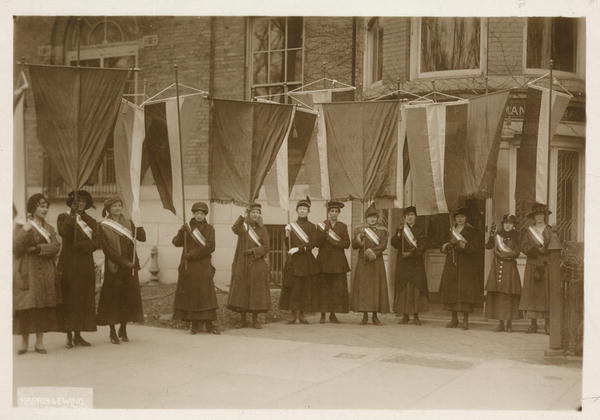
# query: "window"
{"type": "Point", "coordinates": [567, 194]}
{"type": "Point", "coordinates": [559, 36]}
{"type": "Point", "coordinates": [374, 52]}
{"type": "Point", "coordinates": [448, 47]}
{"type": "Point", "coordinates": [276, 55]}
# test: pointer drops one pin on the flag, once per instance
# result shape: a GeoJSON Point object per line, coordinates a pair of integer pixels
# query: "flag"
{"type": "Point", "coordinates": [246, 139]}
{"type": "Point", "coordinates": [19, 152]}
{"type": "Point", "coordinates": [128, 139]}
{"type": "Point", "coordinates": [76, 110]}
{"type": "Point", "coordinates": [278, 184]}
{"type": "Point", "coordinates": [161, 149]}
{"type": "Point", "coordinates": [362, 141]}
{"type": "Point", "coordinates": [532, 161]}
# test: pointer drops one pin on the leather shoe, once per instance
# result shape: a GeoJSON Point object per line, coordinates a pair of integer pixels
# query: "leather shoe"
{"type": "Point", "coordinates": [257, 325]}
{"type": "Point", "coordinates": [416, 321]}
{"type": "Point", "coordinates": [303, 321]}
{"type": "Point", "coordinates": [40, 351]}
{"type": "Point", "coordinates": [452, 324]}
{"type": "Point", "coordinates": [376, 321]}
{"type": "Point", "coordinates": [115, 340]}
{"type": "Point", "coordinates": [532, 329]}
{"type": "Point", "coordinates": [333, 319]}
{"type": "Point", "coordinates": [22, 351]}
{"type": "Point", "coordinates": [404, 320]}
{"type": "Point", "coordinates": [79, 341]}
{"type": "Point", "coordinates": [291, 321]}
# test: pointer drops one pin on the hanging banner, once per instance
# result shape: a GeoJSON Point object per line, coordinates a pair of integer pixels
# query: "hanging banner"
{"type": "Point", "coordinates": [19, 155]}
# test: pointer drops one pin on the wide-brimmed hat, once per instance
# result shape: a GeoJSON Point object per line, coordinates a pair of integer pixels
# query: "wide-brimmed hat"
{"type": "Point", "coordinates": [333, 204]}
{"type": "Point", "coordinates": [410, 209]}
{"type": "Point", "coordinates": [304, 202]}
{"type": "Point", "coordinates": [81, 194]}
{"type": "Point", "coordinates": [509, 218]}
{"type": "Point", "coordinates": [371, 210]}
{"type": "Point", "coordinates": [538, 208]}
{"type": "Point", "coordinates": [200, 206]}
{"type": "Point", "coordinates": [461, 210]}
{"type": "Point", "coordinates": [34, 201]}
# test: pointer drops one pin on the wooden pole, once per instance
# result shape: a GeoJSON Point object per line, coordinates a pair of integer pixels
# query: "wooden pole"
{"type": "Point", "coordinates": [24, 175]}
{"type": "Point", "coordinates": [181, 160]}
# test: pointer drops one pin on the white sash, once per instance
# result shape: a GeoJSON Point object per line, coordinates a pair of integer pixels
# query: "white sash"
{"type": "Point", "coordinates": [457, 235]}
{"type": "Point", "coordinates": [84, 227]}
{"type": "Point", "coordinates": [119, 228]}
{"type": "Point", "coordinates": [372, 235]}
{"type": "Point", "coordinates": [501, 245]}
{"type": "Point", "coordinates": [198, 236]}
{"type": "Point", "coordinates": [331, 233]}
{"type": "Point", "coordinates": [252, 233]}
{"type": "Point", "coordinates": [41, 230]}
{"type": "Point", "coordinates": [409, 235]}
{"type": "Point", "coordinates": [299, 232]}
{"type": "Point", "coordinates": [536, 236]}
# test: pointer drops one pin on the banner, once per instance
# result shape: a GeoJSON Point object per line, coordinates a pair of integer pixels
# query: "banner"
{"type": "Point", "coordinates": [532, 162]}
{"type": "Point", "coordinates": [128, 139]}
{"type": "Point", "coordinates": [19, 154]}
{"type": "Point", "coordinates": [76, 109]}
{"type": "Point", "coordinates": [246, 139]}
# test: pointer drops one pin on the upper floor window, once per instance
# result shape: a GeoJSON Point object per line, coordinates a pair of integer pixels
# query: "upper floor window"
{"type": "Point", "coordinates": [374, 51]}
{"type": "Point", "coordinates": [448, 46]}
{"type": "Point", "coordinates": [277, 46]}
{"type": "Point", "coordinates": [559, 38]}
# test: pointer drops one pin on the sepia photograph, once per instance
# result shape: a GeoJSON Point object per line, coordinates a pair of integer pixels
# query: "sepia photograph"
{"type": "Point", "coordinates": [298, 211]}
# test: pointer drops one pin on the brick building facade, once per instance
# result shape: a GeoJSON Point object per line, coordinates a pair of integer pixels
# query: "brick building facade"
{"type": "Point", "coordinates": [242, 57]}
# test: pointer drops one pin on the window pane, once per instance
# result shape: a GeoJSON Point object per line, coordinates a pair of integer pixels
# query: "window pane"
{"type": "Point", "coordinates": [294, 32]}
{"type": "Point", "coordinates": [450, 44]}
{"type": "Point", "coordinates": [123, 62]}
{"type": "Point", "coordinates": [538, 37]}
{"type": "Point", "coordinates": [260, 35]}
{"type": "Point", "coordinates": [95, 62]}
{"type": "Point", "coordinates": [566, 194]}
{"type": "Point", "coordinates": [277, 33]}
{"type": "Point", "coordinates": [379, 69]}
{"type": "Point", "coordinates": [259, 66]}
{"type": "Point", "coordinates": [260, 91]}
{"type": "Point", "coordinates": [564, 43]}
{"type": "Point", "coordinates": [294, 65]}
{"type": "Point", "coordinates": [276, 68]}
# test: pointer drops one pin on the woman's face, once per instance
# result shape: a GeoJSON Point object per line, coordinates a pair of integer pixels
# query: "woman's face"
{"type": "Point", "coordinates": [116, 209]}
{"type": "Point", "coordinates": [507, 226]}
{"type": "Point", "coordinates": [200, 216]}
{"type": "Point", "coordinates": [42, 209]}
{"type": "Point", "coordinates": [254, 215]}
{"type": "Point", "coordinates": [539, 217]}
{"type": "Point", "coordinates": [302, 211]}
{"type": "Point", "coordinates": [460, 219]}
{"type": "Point", "coordinates": [410, 218]}
{"type": "Point", "coordinates": [333, 214]}
{"type": "Point", "coordinates": [371, 220]}
{"type": "Point", "coordinates": [79, 204]}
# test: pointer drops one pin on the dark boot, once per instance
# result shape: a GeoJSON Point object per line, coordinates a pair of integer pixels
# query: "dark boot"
{"type": "Point", "coordinates": [123, 332]}
{"type": "Point", "coordinates": [333, 319]}
{"type": "Point", "coordinates": [69, 344]}
{"type": "Point", "coordinates": [453, 322]}
{"type": "Point", "coordinates": [404, 320]}
{"type": "Point", "coordinates": [322, 320]}
{"type": "Point", "coordinates": [416, 319]}
{"type": "Point", "coordinates": [79, 341]}
{"type": "Point", "coordinates": [212, 328]}
{"type": "Point", "coordinates": [547, 326]}
{"type": "Point", "coordinates": [193, 327]}
{"type": "Point", "coordinates": [113, 335]}
{"type": "Point", "coordinates": [532, 327]}
{"type": "Point", "coordinates": [500, 326]}
{"type": "Point", "coordinates": [255, 322]}
{"type": "Point", "coordinates": [465, 324]}
{"type": "Point", "coordinates": [376, 320]}
{"type": "Point", "coordinates": [243, 322]}
{"type": "Point", "coordinates": [365, 319]}
{"type": "Point", "coordinates": [294, 317]}
{"type": "Point", "coordinates": [509, 326]}
{"type": "Point", "coordinates": [302, 319]}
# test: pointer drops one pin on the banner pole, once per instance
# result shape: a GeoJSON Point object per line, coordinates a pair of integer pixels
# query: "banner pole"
{"type": "Point", "coordinates": [24, 142]}
{"type": "Point", "coordinates": [176, 67]}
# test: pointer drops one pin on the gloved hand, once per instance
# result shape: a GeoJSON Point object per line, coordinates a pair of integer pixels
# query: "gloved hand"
{"type": "Point", "coordinates": [292, 251]}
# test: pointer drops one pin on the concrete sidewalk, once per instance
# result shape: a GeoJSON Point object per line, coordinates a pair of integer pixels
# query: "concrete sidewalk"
{"type": "Point", "coordinates": [311, 366]}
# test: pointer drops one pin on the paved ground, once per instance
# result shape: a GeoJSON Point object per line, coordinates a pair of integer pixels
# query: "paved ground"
{"type": "Point", "coordinates": [312, 366]}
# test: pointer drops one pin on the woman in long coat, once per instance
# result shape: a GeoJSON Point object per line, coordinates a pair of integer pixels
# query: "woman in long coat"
{"type": "Point", "coordinates": [36, 293]}
{"type": "Point", "coordinates": [331, 286]}
{"type": "Point", "coordinates": [195, 298]}
{"type": "Point", "coordinates": [369, 284]}
{"type": "Point", "coordinates": [504, 282]}
{"type": "Point", "coordinates": [249, 290]}
{"type": "Point", "coordinates": [535, 243]}
{"type": "Point", "coordinates": [76, 270]}
{"type": "Point", "coordinates": [120, 297]}
{"type": "Point", "coordinates": [461, 288]}
{"type": "Point", "coordinates": [411, 294]}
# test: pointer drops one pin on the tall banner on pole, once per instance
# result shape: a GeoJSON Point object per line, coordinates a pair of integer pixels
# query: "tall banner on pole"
{"type": "Point", "coordinates": [19, 154]}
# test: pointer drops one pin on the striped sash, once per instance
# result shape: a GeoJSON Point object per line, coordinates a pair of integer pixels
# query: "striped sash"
{"type": "Point", "coordinates": [252, 233]}
{"type": "Point", "coordinates": [84, 227]}
{"type": "Point", "coordinates": [197, 235]}
{"type": "Point", "coordinates": [457, 235]}
{"type": "Point", "coordinates": [119, 228]}
{"type": "Point", "coordinates": [536, 236]}
{"type": "Point", "coordinates": [501, 245]}
{"type": "Point", "coordinates": [300, 232]}
{"type": "Point", "coordinates": [372, 235]}
{"type": "Point", "coordinates": [41, 230]}
{"type": "Point", "coordinates": [409, 235]}
{"type": "Point", "coordinates": [330, 233]}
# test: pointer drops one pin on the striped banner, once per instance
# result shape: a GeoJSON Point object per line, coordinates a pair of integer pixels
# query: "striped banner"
{"type": "Point", "coordinates": [19, 156]}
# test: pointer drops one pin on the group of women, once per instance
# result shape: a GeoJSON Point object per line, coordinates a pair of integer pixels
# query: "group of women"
{"type": "Point", "coordinates": [61, 297]}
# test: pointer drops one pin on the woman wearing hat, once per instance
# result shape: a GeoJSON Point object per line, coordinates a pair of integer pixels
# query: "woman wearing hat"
{"type": "Point", "coordinates": [331, 286]}
{"type": "Point", "coordinates": [195, 298]}
{"type": "Point", "coordinates": [504, 282]}
{"type": "Point", "coordinates": [301, 267]}
{"type": "Point", "coordinates": [411, 294]}
{"type": "Point", "coordinates": [535, 242]}
{"type": "Point", "coordinates": [249, 290]}
{"type": "Point", "coordinates": [76, 268]}
{"type": "Point", "coordinates": [120, 297]}
{"type": "Point", "coordinates": [36, 293]}
{"type": "Point", "coordinates": [369, 283]}
{"type": "Point", "coordinates": [460, 287]}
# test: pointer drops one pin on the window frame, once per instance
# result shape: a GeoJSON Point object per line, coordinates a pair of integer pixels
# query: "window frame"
{"type": "Point", "coordinates": [579, 72]}
{"type": "Point", "coordinates": [369, 59]}
{"type": "Point", "coordinates": [415, 54]}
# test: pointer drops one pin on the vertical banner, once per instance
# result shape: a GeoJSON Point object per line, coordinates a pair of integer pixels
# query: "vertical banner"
{"type": "Point", "coordinates": [19, 156]}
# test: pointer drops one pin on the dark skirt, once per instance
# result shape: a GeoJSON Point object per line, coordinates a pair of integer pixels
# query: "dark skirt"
{"type": "Point", "coordinates": [502, 306]}
{"type": "Point", "coordinates": [459, 307]}
{"type": "Point", "coordinates": [120, 299]}
{"type": "Point", "coordinates": [409, 300]}
{"type": "Point", "coordinates": [36, 320]}
{"type": "Point", "coordinates": [331, 293]}
{"type": "Point", "coordinates": [296, 293]}
{"type": "Point", "coordinates": [181, 315]}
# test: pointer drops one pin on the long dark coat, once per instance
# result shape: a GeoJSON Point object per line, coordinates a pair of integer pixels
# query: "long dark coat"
{"type": "Point", "coordinates": [534, 296]}
{"type": "Point", "coordinates": [369, 282]}
{"type": "Point", "coordinates": [411, 269]}
{"type": "Point", "coordinates": [195, 288]}
{"type": "Point", "coordinates": [120, 297]}
{"type": "Point", "coordinates": [461, 281]}
{"type": "Point", "coordinates": [76, 272]}
{"type": "Point", "coordinates": [299, 270]}
{"type": "Point", "coordinates": [249, 290]}
{"type": "Point", "coordinates": [504, 276]}
{"type": "Point", "coordinates": [331, 286]}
